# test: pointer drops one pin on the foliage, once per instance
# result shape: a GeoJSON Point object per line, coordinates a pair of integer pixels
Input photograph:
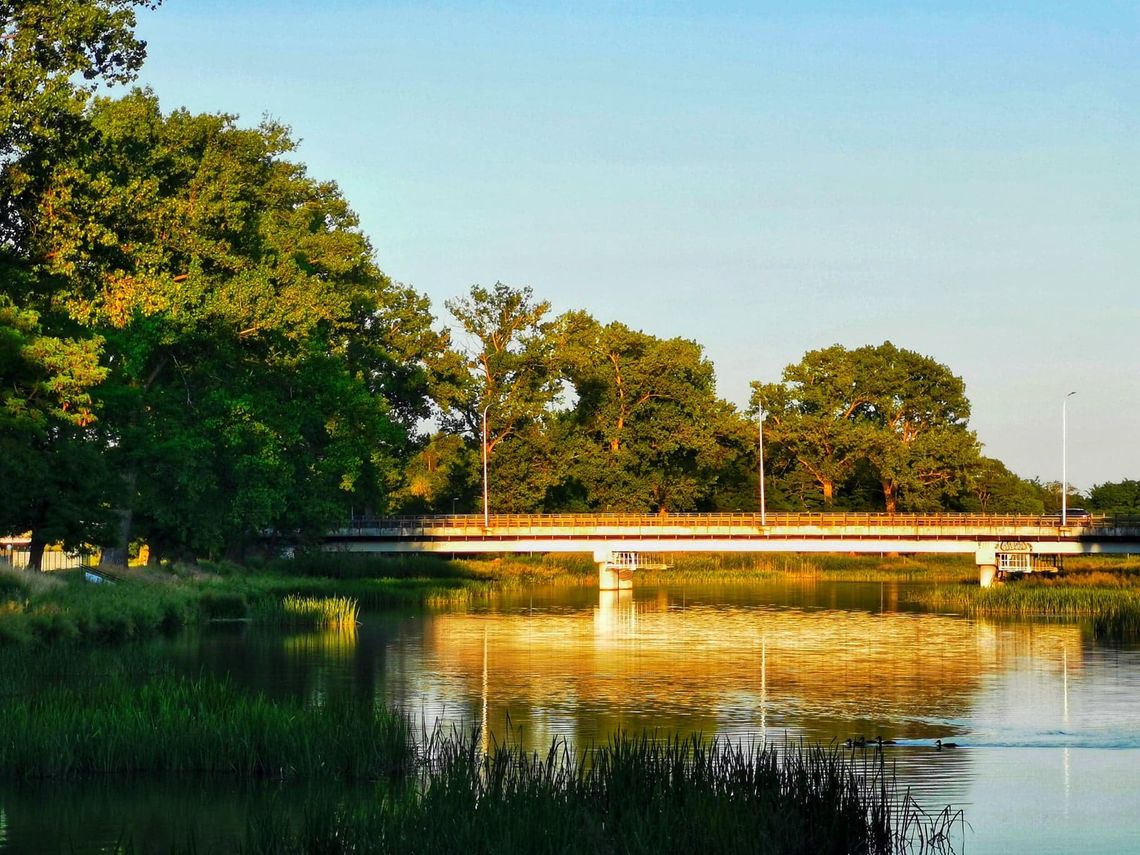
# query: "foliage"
{"type": "Point", "coordinates": [52, 55]}
{"type": "Point", "coordinates": [507, 375]}
{"type": "Point", "coordinates": [902, 413]}
{"type": "Point", "coordinates": [1118, 497]}
{"type": "Point", "coordinates": [48, 465]}
{"type": "Point", "coordinates": [647, 431]}
{"type": "Point", "coordinates": [246, 325]}
{"type": "Point", "coordinates": [999, 491]}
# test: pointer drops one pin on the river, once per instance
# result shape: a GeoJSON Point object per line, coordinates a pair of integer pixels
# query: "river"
{"type": "Point", "coordinates": [1047, 721]}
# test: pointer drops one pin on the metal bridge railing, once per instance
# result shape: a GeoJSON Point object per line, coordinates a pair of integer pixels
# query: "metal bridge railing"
{"type": "Point", "coordinates": [749, 520]}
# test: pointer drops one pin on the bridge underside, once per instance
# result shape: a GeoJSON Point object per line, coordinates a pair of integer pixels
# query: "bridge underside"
{"type": "Point", "coordinates": [616, 552]}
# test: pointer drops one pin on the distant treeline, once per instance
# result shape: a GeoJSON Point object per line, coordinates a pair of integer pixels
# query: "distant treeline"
{"type": "Point", "coordinates": [198, 351]}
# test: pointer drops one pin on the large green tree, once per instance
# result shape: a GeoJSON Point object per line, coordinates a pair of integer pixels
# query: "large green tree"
{"type": "Point", "coordinates": [504, 368]}
{"type": "Point", "coordinates": [50, 469]}
{"type": "Point", "coordinates": [903, 413]}
{"type": "Point", "coordinates": [53, 53]}
{"type": "Point", "coordinates": [1119, 497]}
{"type": "Point", "coordinates": [814, 416]}
{"type": "Point", "coordinates": [647, 431]}
{"type": "Point", "coordinates": [250, 337]}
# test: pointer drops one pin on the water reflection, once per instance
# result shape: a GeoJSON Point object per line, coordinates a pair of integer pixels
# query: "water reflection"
{"type": "Point", "coordinates": [1047, 719]}
{"type": "Point", "coordinates": [665, 660]}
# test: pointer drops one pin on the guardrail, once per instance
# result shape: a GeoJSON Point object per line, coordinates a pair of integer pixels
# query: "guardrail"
{"type": "Point", "coordinates": [750, 520]}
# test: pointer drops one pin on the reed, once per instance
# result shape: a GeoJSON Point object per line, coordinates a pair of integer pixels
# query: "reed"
{"type": "Point", "coordinates": [45, 610]}
{"type": "Point", "coordinates": [633, 794]}
{"type": "Point", "coordinates": [180, 725]}
{"type": "Point", "coordinates": [348, 565]}
{"type": "Point", "coordinates": [1033, 600]}
{"type": "Point", "coordinates": [301, 612]}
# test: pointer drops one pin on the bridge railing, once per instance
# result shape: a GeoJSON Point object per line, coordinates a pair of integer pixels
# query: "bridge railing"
{"type": "Point", "coordinates": [749, 520]}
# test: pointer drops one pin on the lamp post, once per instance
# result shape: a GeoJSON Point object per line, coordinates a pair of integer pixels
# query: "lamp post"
{"type": "Point", "coordinates": [486, 512]}
{"type": "Point", "coordinates": [763, 508]}
{"type": "Point", "coordinates": [1065, 460]}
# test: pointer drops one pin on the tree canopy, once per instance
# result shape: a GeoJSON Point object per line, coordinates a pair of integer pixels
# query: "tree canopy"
{"type": "Point", "coordinates": [902, 413]}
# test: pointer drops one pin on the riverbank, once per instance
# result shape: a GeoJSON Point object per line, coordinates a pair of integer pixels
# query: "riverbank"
{"type": "Point", "coordinates": [1105, 590]}
{"type": "Point", "coordinates": [138, 603]}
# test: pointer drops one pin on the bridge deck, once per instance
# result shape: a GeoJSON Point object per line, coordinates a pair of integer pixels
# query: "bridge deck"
{"type": "Point", "coordinates": [738, 532]}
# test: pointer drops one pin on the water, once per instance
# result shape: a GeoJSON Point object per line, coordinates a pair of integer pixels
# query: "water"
{"type": "Point", "coordinates": [1047, 721]}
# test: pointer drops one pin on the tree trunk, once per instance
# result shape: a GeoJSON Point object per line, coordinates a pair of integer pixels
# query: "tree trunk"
{"type": "Point", "coordinates": [154, 552]}
{"type": "Point", "coordinates": [828, 492]}
{"type": "Point", "coordinates": [119, 555]}
{"type": "Point", "coordinates": [36, 552]}
{"type": "Point", "coordinates": [890, 496]}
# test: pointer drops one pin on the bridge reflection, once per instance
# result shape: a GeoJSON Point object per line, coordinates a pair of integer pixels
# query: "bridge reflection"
{"type": "Point", "coordinates": [669, 661]}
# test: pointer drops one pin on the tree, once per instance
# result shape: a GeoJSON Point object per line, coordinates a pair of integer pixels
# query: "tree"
{"type": "Point", "coordinates": [52, 55]}
{"type": "Point", "coordinates": [507, 372]}
{"type": "Point", "coordinates": [903, 412]}
{"type": "Point", "coordinates": [647, 431]}
{"type": "Point", "coordinates": [812, 415]}
{"type": "Point", "coordinates": [1118, 497]}
{"type": "Point", "coordinates": [999, 491]}
{"type": "Point", "coordinates": [47, 47]}
{"type": "Point", "coordinates": [250, 337]}
{"type": "Point", "coordinates": [49, 469]}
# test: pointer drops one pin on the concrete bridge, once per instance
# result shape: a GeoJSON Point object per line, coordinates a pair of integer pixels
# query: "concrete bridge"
{"type": "Point", "coordinates": [1000, 544]}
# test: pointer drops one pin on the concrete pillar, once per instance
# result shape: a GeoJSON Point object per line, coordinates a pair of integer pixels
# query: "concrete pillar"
{"type": "Point", "coordinates": [986, 559]}
{"type": "Point", "coordinates": [608, 577]}
{"type": "Point", "coordinates": [614, 578]}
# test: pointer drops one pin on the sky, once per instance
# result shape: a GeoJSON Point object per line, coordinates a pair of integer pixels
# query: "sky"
{"type": "Point", "coordinates": [962, 179]}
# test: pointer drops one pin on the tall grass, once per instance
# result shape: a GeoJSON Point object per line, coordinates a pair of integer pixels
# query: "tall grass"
{"type": "Point", "coordinates": [1112, 601]}
{"type": "Point", "coordinates": [632, 794]}
{"type": "Point", "coordinates": [1025, 600]}
{"type": "Point", "coordinates": [441, 792]}
{"type": "Point", "coordinates": [300, 612]}
{"type": "Point", "coordinates": [176, 724]}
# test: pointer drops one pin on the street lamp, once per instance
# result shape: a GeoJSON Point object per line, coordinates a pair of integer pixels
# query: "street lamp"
{"type": "Point", "coordinates": [486, 513]}
{"type": "Point", "coordinates": [1065, 459]}
{"type": "Point", "coordinates": [763, 509]}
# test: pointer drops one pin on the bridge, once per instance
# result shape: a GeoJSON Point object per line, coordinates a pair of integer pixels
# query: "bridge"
{"type": "Point", "coordinates": [999, 543]}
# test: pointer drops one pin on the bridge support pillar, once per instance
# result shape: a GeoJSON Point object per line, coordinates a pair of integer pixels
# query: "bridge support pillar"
{"type": "Point", "coordinates": [612, 576]}
{"type": "Point", "coordinates": [986, 559]}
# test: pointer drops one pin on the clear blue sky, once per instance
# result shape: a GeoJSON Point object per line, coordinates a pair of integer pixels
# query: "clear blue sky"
{"type": "Point", "coordinates": [960, 178]}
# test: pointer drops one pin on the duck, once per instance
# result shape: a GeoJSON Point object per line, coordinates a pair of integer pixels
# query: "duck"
{"type": "Point", "coordinates": [859, 741]}
{"type": "Point", "coordinates": [880, 742]}
{"type": "Point", "coordinates": [939, 745]}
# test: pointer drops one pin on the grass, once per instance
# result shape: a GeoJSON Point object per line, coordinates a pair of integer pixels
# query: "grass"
{"type": "Point", "coordinates": [1110, 599]}
{"type": "Point", "coordinates": [634, 794]}
{"type": "Point", "coordinates": [116, 725]}
{"type": "Point", "coordinates": [59, 608]}
{"type": "Point", "coordinates": [300, 612]}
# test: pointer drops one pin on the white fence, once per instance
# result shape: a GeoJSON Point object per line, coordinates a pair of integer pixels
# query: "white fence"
{"type": "Point", "coordinates": [52, 560]}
